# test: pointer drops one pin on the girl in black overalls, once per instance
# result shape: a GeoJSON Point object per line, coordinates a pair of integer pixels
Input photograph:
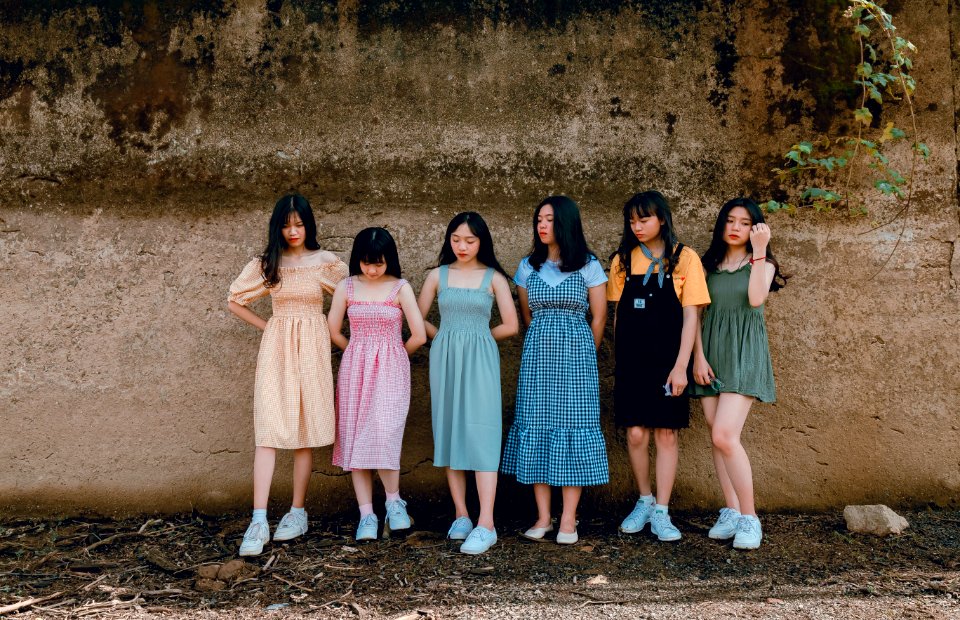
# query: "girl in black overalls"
{"type": "Point", "coordinates": [658, 285]}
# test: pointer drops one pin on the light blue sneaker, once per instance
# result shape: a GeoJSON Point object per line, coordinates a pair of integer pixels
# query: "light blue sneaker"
{"type": "Point", "coordinates": [662, 527]}
{"type": "Point", "coordinates": [397, 517]}
{"type": "Point", "coordinates": [638, 517]}
{"type": "Point", "coordinates": [256, 536]}
{"type": "Point", "coordinates": [461, 528]}
{"type": "Point", "coordinates": [292, 524]}
{"type": "Point", "coordinates": [479, 540]}
{"type": "Point", "coordinates": [749, 533]}
{"type": "Point", "coordinates": [726, 526]}
{"type": "Point", "coordinates": [367, 528]}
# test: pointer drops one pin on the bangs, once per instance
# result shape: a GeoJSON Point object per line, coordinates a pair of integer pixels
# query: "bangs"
{"type": "Point", "coordinates": [372, 257]}
{"type": "Point", "coordinates": [643, 209]}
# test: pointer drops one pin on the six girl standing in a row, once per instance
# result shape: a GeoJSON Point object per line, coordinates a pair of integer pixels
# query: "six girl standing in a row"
{"type": "Point", "coordinates": [660, 289]}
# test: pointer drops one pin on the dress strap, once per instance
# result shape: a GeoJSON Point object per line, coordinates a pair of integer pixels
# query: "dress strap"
{"type": "Point", "coordinates": [443, 277]}
{"type": "Point", "coordinates": [487, 278]}
{"type": "Point", "coordinates": [349, 289]}
{"type": "Point", "coordinates": [392, 297]}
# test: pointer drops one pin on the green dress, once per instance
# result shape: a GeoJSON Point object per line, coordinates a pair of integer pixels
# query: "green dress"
{"type": "Point", "coordinates": [735, 340]}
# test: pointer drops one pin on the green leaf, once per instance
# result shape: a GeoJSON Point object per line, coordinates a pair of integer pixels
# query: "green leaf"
{"type": "Point", "coordinates": [804, 147]}
{"type": "Point", "coordinates": [871, 52]}
{"type": "Point", "coordinates": [795, 156]}
{"type": "Point", "coordinates": [864, 69]}
{"type": "Point", "coordinates": [771, 206]}
{"type": "Point", "coordinates": [875, 94]}
{"type": "Point", "coordinates": [922, 149]}
{"type": "Point", "coordinates": [862, 30]}
{"type": "Point", "coordinates": [863, 115]}
{"type": "Point", "coordinates": [890, 132]}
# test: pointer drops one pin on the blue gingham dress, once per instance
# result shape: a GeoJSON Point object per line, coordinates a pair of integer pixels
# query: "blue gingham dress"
{"type": "Point", "coordinates": [555, 438]}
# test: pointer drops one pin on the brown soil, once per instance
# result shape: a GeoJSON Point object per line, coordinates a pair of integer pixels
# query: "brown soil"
{"type": "Point", "coordinates": [809, 566]}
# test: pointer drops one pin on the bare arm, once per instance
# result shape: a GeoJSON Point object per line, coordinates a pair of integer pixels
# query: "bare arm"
{"type": "Point", "coordinates": [509, 323]}
{"type": "Point", "coordinates": [524, 305]}
{"type": "Point", "coordinates": [597, 295]}
{"type": "Point", "coordinates": [678, 376]}
{"type": "Point", "coordinates": [760, 279]}
{"type": "Point", "coordinates": [427, 293]}
{"type": "Point", "coordinates": [702, 372]}
{"type": "Point", "coordinates": [338, 309]}
{"type": "Point", "coordinates": [418, 333]}
{"type": "Point", "coordinates": [247, 315]}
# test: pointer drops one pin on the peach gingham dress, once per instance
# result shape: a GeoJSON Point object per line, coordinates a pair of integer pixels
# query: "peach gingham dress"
{"type": "Point", "coordinates": [293, 393]}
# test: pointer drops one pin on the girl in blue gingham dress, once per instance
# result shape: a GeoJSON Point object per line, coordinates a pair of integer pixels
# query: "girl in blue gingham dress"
{"type": "Point", "coordinates": [555, 439]}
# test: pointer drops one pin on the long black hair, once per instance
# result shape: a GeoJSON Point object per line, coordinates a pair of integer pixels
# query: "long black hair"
{"type": "Point", "coordinates": [567, 232]}
{"type": "Point", "coordinates": [718, 247]}
{"type": "Point", "coordinates": [478, 227]}
{"type": "Point", "coordinates": [276, 244]}
{"type": "Point", "coordinates": [647, 204]}
{"type": "Point", "coordinates": [373, 245]}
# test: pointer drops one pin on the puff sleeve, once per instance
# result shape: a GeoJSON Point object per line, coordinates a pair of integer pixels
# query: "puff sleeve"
{"type": "Point", "coordinates": [249, 285]}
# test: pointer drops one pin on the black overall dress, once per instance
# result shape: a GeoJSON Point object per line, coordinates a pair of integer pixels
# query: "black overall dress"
{"type": "Point", "coordinates": [649, 323]}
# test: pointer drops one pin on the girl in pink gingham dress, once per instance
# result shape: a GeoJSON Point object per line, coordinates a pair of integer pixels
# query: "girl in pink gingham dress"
{"type": "Point", "coordinates": [373, 383]}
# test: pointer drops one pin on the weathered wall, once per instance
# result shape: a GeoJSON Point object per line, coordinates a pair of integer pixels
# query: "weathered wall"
{"type": "Point", "coordinates": [143, 146]}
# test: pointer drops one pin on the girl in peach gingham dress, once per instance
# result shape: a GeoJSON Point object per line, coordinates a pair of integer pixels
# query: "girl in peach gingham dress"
{"type": "Point", "coordinates": [293, 394]}
{"type": "Point", "coordinates": [373, 383]}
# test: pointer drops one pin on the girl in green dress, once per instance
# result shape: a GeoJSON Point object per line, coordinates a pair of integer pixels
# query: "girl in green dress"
{"type": "Point", "coordinates": [732, 365]}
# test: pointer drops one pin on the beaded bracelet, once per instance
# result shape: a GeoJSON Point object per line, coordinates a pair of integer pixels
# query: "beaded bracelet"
{"type": "Point", "coordinates": [757, 260]}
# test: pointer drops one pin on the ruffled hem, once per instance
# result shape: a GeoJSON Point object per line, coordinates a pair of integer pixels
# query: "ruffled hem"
{"type": "Point", "coordinates": [556, 456]}
{"type": "Point", "coordinates": [699, 391]}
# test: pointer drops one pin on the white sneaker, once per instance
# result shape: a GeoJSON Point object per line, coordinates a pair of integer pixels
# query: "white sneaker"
{"type": "Point", "coordinates": [749, 533]}
{"type": "Point", "coordinates": [726, 526]}
{"type": "Point", "coordinates": [638, 517]}
{"type": "Point", "coordinates": [291, 525]}
{"type": "Point", "coordinates": [662, 527]}
{"type": "Point", "coordinates": [256, 536]}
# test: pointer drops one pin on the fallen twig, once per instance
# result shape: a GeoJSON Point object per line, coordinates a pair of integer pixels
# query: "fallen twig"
{"type": "Point", "coordinates": [290, 583]}
{"type": "Point", "coordinates": [27, 603]}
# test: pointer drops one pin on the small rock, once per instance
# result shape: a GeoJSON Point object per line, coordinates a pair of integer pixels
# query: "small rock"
{"type": "Point", "coordinates": [598, 580]}
{"type": "Point", "coordinates": [874, 519]}
{"type": "Point", "coordinates": [234, 569]}
{"type": "Point", "coordinates": [208, 572]}
{"type": "Point", "coordinates": [209, 585]}
{"type": "Point", "coordinates": [587, 548]}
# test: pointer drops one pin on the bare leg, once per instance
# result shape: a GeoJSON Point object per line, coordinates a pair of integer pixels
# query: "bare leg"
{"type": "Point", "coordinates": [302, 468]}
{"type": "Point", "coordinates": [541, 493]}
{"type": "Point", "coordinates": [362, 486]}
{"type": "Point", "coordinates": [487, 490]}
{"type": "Point", "coordinates": [668, 455]}
{"type": "Point", "coordinates": [264, 461]}
{"type": "Point", "coordinates": [390, 479]}
{"type": "Point", "coordinates": [638, 448]}
{"type": "Point", "coordinates": [457, 481]}
{"type": "Point", "coordinates": [729, 495]}
{"type": "Point", "coordinates": [571, 498]}
{"type": "Point", "coordinates": [728, 424]}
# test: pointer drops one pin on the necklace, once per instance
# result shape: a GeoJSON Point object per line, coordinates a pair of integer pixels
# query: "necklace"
{"type": "Point", "coordinates": [728, 266]}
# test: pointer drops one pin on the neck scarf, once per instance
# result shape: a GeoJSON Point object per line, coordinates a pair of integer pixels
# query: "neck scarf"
{"type": "Point", "coordinates": [654, 261]}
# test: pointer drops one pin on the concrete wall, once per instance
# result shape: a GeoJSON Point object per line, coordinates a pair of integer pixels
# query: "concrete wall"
{"type": "Point", "coordinates": [142, 148]}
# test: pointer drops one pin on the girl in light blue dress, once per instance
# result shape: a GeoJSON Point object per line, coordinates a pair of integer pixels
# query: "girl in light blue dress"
{"type": "Point", "coordinates": [465, 370]}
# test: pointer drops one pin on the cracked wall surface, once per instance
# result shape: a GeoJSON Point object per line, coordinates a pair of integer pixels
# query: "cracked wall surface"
{"type": "Point", "coordinates": [141, 150]}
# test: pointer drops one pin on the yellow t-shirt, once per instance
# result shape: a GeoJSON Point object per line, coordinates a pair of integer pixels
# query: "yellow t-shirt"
{"type": "Point", "coordinates": [689, 281]}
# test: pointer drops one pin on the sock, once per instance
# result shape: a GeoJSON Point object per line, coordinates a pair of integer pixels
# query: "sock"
{"type": "Point", "coordinates": [647, 499]}
{"type": "Point", "coordinates": [298, 511]}
{"type": "Point", "coordinates": [660, 507]}
{"type": "Point", "coordinates": [260, 514]}
{"type": "Point", "coordinates": [392, 497]}
{"type": "Point", "coordinates": [366, 509]}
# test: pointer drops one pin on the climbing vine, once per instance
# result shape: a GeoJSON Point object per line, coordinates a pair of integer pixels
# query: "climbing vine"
{"type": "Point", "coordinates": [825, 167]}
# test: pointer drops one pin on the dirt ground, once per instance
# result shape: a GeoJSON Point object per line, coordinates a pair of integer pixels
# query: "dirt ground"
{"type": "Point", "coordinates": [177, 567]}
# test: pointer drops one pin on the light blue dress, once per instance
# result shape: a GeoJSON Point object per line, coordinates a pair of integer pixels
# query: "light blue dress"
{"type": "Point", "coordinates": [465, 380]}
